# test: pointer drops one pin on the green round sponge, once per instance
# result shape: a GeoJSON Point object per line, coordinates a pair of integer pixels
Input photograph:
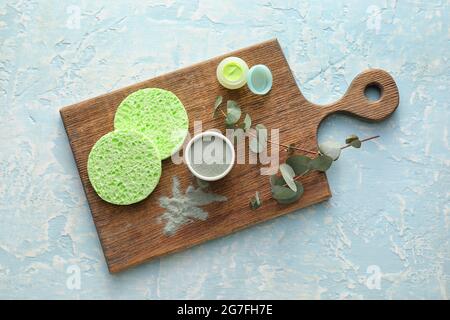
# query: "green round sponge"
{"type": "Point", "coordinates": [158, 114]}
{"type": "Point", "coordinates": [124, 167]}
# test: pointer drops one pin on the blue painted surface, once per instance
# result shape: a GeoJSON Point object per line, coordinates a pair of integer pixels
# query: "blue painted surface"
{"type": "Point", "coordinates": [390, 212]}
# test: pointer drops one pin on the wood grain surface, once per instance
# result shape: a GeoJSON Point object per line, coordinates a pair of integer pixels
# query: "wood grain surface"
{"type": "Point", "coordinates": [133, 234]}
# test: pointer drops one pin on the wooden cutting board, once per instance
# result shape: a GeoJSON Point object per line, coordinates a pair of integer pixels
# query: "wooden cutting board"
{"type": "Point", "coordinates": [133, 234]}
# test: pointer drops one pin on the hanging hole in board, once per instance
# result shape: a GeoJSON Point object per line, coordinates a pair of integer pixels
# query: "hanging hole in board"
{"type": "Point", "coordinates": [373, 92]}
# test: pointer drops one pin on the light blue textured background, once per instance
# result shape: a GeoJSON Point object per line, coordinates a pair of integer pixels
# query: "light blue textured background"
{"type": "Point", "coordinates": [390, 207]}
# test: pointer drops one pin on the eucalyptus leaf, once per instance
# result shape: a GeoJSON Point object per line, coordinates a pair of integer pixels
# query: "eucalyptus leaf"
{"type": "Point", "coordinates": [276, 180]}
{"type": "Point", "coordinates": [299, 163]}
{"type": "Point", "coordinates": [255, 202]}
{"type": "Point", "coordinates": [233, 113]}
{"type": "Point", "coordinates": [351, 138]}
{"type": "Point", "coordinates": [254, 145]}
{"type": "Point", "coordinates": [247, 122]}
{"type": "Point", "coordinates": [356, 144]}
{"type": "Point", "coordinates": [331, 149]}
{"type": "Point", "coordinates": [229, 125]}
{"type": "Point", "coordinates": [258, 143]}
{"type": "Point", "coordinates": [288, 175]}
{"type": "Point", "coordinates": [231, 119]}
{"type": "Point", "coordinates": [218, 102]}
{"type": "Point", "coordinates": [321, 163]}
{"type": "Point", "coordinates": [232, 104]}
{"type": "Point", "coordinates": [285, 195]}
{"type": "Point", "coordinates": [217, 105]}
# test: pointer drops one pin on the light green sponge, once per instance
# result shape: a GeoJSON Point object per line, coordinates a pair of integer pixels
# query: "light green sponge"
{"type": "Point", "coordinates": [158, 114]}
{"type": "Point", "coordinates": [124, 167]}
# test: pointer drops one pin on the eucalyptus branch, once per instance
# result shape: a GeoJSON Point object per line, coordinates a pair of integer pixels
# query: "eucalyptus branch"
{"type": "Point", "coordinates": [285, 188]}
{"type": "Point", "coordinates": [363, 140]}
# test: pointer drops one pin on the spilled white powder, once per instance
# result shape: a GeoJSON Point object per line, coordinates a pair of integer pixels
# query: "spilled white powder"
{"type": "Point", "coordinates": [185, 208]}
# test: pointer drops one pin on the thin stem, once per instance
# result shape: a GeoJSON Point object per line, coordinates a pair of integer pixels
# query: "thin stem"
{"type": "Point", "coordinates": [298, 148]}
{"type": "Point", "coordinates": [295, 148]}
{"type": "Point", "coordinates": [297, 177]}
{"type": "Point", "coordinates": [363, 140]}
{"type": "Point", "coordinates": [286, 146]}
{"type": "Point", "coordinates": [269, 195]}
{"type": "Point", "coordinates": [346, 146]}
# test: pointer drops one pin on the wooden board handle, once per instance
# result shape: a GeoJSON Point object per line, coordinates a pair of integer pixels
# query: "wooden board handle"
{"type": "Point", "coordinates": [354, 101]}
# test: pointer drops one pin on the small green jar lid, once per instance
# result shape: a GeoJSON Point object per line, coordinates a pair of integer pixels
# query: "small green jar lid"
{"type": "Point", "coordinates": [232, 73]}
{"type": "Point", "coordinates": [259, 79]}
